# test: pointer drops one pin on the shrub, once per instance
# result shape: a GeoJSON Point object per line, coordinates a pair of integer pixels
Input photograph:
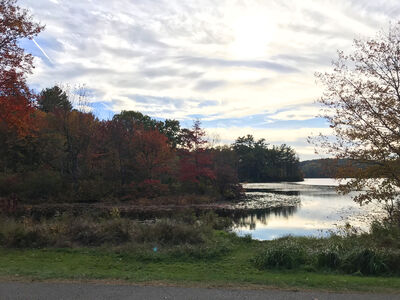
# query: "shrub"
{"type": "Point", "coordinates": [38, 184]}
{"type": "Point", "coordinates": [170, 232]}
{"type": "Point", "coordinates": [92, 233]}
{"type": "Point", "coordinates": [392, 261]}
{"type": "Point", "coordinates": [41, 184]}
{"type": "Point", "coordinates": [328, 259]}
{"type": "Point", "coordinates": [149, 188]}
{"type": "Point", "coordinates": [92, 190]}
{"type": "Point", "coordinates": [367, 261]}
{"type": "Point", "coordinates": [84, 233]}
{"type": "Point", "coordinates": [9, 205]}
{"type": "Point", "coordinates": [26, 238]}
{"type": "Point", "coordinates": [281, 255]}
{"type": "Point", "coordinates": [385, 234]}
{"type": "Point", "coordinates": [9, 183]}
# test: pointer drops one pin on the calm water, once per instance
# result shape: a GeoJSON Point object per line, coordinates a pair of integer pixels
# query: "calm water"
{"type": "Point", "coordinates": [309, 208]}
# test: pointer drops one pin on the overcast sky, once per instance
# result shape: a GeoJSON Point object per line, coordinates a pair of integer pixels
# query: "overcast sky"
{"type": "Point", "coordinates": [238, 66]}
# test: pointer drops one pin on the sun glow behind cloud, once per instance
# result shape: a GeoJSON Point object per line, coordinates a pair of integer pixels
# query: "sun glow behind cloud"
{"type": "Point", "coordinates": [225, 62]}
{"type": "Point", "coordinates": [252, 33]}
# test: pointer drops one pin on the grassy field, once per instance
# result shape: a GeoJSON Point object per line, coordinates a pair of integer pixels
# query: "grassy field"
{"type": "Point", "coordinates": [232, 269]}
{"type": "Point", "coordinates": [195, 250]}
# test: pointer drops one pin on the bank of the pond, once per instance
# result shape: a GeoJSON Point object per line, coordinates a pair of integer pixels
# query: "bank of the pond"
{"type": "Point", "coordinates": [178, 252]}
{"type": "Point", "coordinates": [234, 270]}
{"type": "Point", "coordinates": [149, 210]}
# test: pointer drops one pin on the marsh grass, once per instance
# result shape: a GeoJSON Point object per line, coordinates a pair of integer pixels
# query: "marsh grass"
{"type": "Point", "coordinates": [373, 253]}
{"type": "Point", "coordinates": [195, 234]}
{"type": "Point", "coordinates": [189, 237]}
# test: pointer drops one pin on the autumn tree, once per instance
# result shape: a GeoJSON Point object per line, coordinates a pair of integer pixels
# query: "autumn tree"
{"type": "Point", "coordinates": [16, 109]}
{"type": "Point", "coordinates": [15, 97]}
{"type": "Point", "coordinates": [15, 24]}
{"type": "Point", "coordinates": [196, 160]}
{"type": "Point", "coordinates": [362, 104]}
{"type": "Point", "coordinates": [153, 154]}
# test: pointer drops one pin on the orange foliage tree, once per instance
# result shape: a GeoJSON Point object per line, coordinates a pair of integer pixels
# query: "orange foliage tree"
{"type": "Point", "coordinates": [153, 153]}
{"type": "Point", "coordinates": [362, 102]}
{"type": "Point", "coordinates": [15, 98]}
{"type": "Point", "coordinates": [196, 161]}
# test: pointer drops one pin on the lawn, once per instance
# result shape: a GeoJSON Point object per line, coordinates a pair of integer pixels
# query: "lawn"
{"type": "Point", "coordinates": [233, 269]}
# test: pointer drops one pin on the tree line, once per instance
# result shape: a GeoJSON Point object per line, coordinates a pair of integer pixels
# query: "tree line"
{"type": "Point", "coordinates": [70, 155]}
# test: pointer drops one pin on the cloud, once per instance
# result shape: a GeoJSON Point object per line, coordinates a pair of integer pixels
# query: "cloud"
{"type": "Point", "coordinates": [222, 60]}
{"type": "Point", "coordinates": [206, 85]}
{"type": "Point", "coordinates": [225, 63]}
{"type": "Point", "coordinates": [301, 112]}
{"type": "Point", "coordinates": [297, 138]}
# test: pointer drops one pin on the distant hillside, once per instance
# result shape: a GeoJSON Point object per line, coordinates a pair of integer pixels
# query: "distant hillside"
{"type": "Point", "coordinates": [328, 167]}
{"type": "Point", "coordinates": [320, 168]}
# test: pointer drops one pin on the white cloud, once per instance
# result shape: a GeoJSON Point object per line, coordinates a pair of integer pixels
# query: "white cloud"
{"type": "Point", "coordinates": [248, 57]}
{"type": "Point", "coordinates": [300, 113]}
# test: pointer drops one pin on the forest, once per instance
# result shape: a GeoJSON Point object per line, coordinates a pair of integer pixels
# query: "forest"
{"type": "Point", "coordinates": [63, 154]}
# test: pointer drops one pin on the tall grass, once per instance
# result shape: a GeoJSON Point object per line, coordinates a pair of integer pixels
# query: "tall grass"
{"type": "Point", "coordinates": [69, 231]}
{"type": "Point", "coordinates": [373, 253]}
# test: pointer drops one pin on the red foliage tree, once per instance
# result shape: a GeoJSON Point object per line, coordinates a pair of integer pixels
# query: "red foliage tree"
{"type": "Point", "coordinates": [16, 107]}
{"type": "Point", "coordinates": [15, 98]}
{"type": "Point", "coordinates": [153, 153]}
{"type": "Point", "coordinates": [196, 161]}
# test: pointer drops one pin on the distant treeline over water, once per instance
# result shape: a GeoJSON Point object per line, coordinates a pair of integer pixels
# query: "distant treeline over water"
{"type": "Point", "coordinates": [331, 168]}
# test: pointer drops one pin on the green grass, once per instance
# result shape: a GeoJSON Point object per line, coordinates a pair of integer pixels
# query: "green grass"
{"type": "Point", "coordinates": [231, 269]}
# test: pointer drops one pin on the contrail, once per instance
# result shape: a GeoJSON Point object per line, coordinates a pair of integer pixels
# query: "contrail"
{"type": "Point", "coordinates": [40, 48]}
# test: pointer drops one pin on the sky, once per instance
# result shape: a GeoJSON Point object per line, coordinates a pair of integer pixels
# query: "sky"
{"type": "Point", "coordinates": [240, 67]}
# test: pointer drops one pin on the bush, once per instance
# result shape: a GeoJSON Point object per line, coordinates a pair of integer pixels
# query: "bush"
{"type": "Point", "coordinates": [27, 238]}
{"type": "Point", "coordinates": [366, 261]}
{"type": "Point", "coordinates": [385, 234]}
{"type": "Point", "coordinates": [9, 184]}
{"type": "Point", "coordinates": [92, 190]}
{"type": "Point", "coordinates": [107, 230]}
{"type": "Point", "coordinates": [281, 255]}
{"type": "Point", "coordinates": [149, 188]}
{"type": "Point", "coordinates": [41, 184]}
{"type": "Point", "coordinates": [328, 259]}
{"type": "Point", "coordinates": [20, 237]}
{"type": "Point", "coordinates": [392, 261]}
{"type": "Point", "coordinates": [171, 232]}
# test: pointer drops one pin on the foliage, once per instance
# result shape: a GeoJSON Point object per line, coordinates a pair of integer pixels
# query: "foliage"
{"type": "Point", "coordinates": [259, 163]}
{"type": "Point", "coordinates": [196, 160]}
{"type": "Point", "coordinates": [282, 255]}
{"type": "Point", "coordinates": [361, 100]}
{"type": "Point", "coordinates": [15, 97]}
{"type": "Point", "coordinates": [364, 254]}
{"type": "Point", "coordinates": [52, 99]}
{"type": "Point", "coordinates": [86, 230]}
{"type": "Point", "coordinates": [16, 23]}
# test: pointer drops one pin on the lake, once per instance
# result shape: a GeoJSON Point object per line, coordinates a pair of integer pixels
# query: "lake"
{"type": "Point", "coordinates": [308, 208]}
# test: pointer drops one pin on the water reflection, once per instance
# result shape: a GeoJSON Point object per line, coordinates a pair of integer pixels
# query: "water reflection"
{"type": "Point", "coordinates": [260, 216]}
{"type": "Point", "coordinates": [273, 191]}
{"type": "Point", "coordinates": [309, 208]}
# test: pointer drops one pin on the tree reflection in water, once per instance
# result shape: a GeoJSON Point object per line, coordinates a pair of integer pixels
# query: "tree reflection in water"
{"type": "Point", "coordinates": [249, 218]}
